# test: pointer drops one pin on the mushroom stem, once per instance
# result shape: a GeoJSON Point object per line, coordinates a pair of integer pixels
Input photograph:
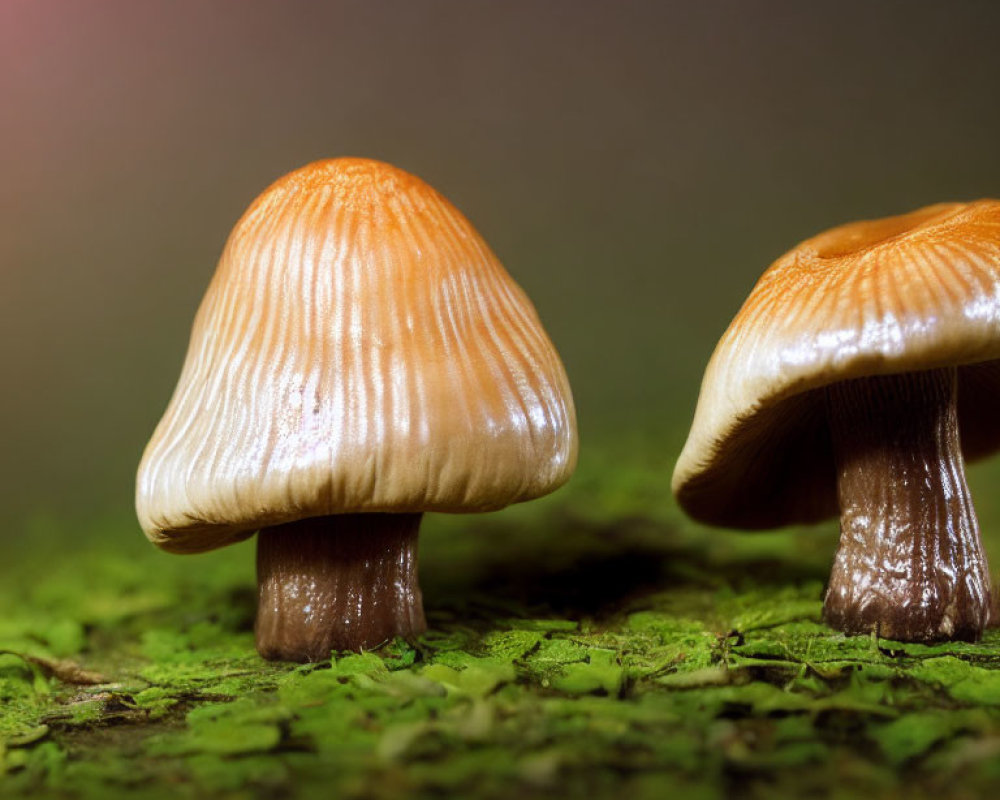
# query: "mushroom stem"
{"type": "Point", "coordinates": [910, 565]}
{"type": "Point", "coordinates": [344, 582]}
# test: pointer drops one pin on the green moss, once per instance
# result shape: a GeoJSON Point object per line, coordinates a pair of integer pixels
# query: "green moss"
{"type": "Point", "coordinates": [595, 644]}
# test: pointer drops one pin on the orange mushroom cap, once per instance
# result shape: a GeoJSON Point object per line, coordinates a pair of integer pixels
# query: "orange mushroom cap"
{"type": "Point", "coordinates": [360, 348]}
{"type": "Point", "coordinates": [911, 292]}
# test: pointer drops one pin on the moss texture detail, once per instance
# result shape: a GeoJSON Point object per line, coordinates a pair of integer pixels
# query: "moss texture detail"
{"type": "Point", "coordinates": [594, 644]}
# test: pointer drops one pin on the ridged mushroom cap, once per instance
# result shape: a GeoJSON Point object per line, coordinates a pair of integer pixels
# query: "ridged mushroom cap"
{"type": "Point", "coordinates": [359, 348]}
{"type": "Point", "coordinates": [912, 292]}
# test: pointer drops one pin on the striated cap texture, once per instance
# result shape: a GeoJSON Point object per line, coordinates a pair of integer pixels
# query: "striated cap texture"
{"type": "Point", "coordinates": [360, 348]}
{"type": "Point", "coordinates": [911, 292]}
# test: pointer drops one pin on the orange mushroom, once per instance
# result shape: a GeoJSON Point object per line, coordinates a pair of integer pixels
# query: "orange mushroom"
{"type": "Point", "coordinates": [360, 357]}
{"type": "Point", "coordinates": [843, 383]}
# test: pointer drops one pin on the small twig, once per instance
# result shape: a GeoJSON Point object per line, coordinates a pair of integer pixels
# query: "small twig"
{"type": "Point", "coordinates": [62, 670]}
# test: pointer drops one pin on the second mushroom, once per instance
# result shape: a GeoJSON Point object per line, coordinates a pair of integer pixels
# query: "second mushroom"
{"type": "Point", "coordinates": [859, 375]}
{"type": "Point", "coordinates": [360, 357]}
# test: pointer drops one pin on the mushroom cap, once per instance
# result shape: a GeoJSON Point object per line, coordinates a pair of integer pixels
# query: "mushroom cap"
{"type": "Point", "coordinates": [911, 292]}
{"type": "Point", "coordinates": [359, 349]}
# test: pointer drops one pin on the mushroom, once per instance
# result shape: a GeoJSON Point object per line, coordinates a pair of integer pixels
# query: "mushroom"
{"type": "Point", "coordinates": [843, 383]}
{"type": "Point", "coordinates": [360, 357]}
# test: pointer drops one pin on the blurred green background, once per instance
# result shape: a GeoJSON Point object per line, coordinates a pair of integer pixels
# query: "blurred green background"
{"type": "Point", "coordinates": [635, 165]}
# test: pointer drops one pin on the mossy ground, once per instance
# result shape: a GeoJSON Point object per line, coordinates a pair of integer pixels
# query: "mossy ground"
{"type": "Point", "coordinates": [593, 644]}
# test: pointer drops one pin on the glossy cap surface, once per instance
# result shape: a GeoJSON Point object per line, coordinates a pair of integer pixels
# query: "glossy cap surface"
{"type": "Point", "coordinates": [911, 292]}
{"type": "Point", "coordinates": [360, 348]}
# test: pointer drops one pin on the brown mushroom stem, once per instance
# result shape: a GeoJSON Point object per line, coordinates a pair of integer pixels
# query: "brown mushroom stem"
{"type": "Point", "coordinates": [910, 564]}
{"type": "Point", "coordinates": [344, 582]}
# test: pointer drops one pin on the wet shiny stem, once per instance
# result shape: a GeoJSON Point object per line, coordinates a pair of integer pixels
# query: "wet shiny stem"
{"type": "Point", "coordinates": [910, 565]}
{"type": "Point", "coordinates": [344, 582]}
